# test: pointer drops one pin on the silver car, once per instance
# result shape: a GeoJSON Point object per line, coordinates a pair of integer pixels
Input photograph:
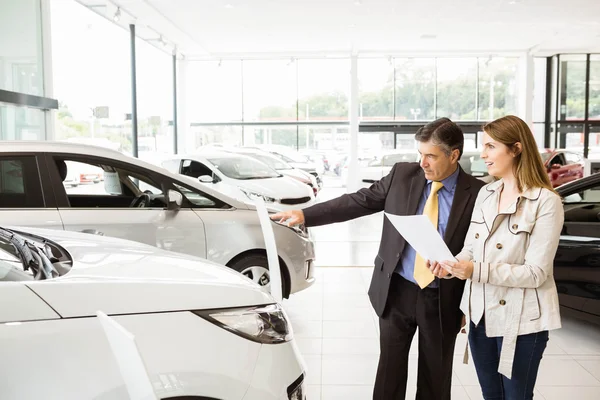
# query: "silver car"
{"type": "Point", "coordinates": [145, 203]}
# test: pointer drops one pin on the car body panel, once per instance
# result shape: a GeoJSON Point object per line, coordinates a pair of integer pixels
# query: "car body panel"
{"type": "Point", "coordinates": [577, 261]}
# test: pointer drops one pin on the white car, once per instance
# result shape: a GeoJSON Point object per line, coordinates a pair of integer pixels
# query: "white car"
{"type": "Point", "coordinates": [238, 175]}
{"type": "Point", "coordinates": [202, 331]}
{"type": "Point", "coordinates": [295, 159]}
{"type": "Point", "coordinates": [278, 165]}
{"type": "Point", "coordinates": [146, 203]}
{"type": "Point", "coordinates": [370, 171]}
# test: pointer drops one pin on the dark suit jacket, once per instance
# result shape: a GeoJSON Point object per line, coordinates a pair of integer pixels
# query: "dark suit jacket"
{"type": "Point", "coordinates": [399, 193]}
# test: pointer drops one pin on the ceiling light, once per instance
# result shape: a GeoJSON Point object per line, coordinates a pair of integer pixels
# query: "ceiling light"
{"type": "Point", "coordinates": [358, 3]}
{"type": "Point", "coordinates": [228, 5]}
{"type": "Point", "coordinates": [117, 15]}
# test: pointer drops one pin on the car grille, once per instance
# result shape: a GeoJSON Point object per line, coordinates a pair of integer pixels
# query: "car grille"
{"type": "Point", "coordinates": [298, 200]}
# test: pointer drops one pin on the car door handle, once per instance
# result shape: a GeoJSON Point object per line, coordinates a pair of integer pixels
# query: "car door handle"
{"type": "Point", "coordinates": [92, 232]}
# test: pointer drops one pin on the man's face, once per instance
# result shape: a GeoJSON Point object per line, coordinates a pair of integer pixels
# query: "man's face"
{"type": "Point", "coordinates": [436, 164]}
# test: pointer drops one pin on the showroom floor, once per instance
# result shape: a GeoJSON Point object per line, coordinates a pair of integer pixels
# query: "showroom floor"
{"type": "Point", "coordinates": [336, 329]}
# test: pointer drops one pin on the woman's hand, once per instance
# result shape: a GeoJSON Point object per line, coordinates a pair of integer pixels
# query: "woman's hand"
{"type": "Point", "coordinates": [436, 269]}
{"type": "Point", "coordinates": [460, 269]}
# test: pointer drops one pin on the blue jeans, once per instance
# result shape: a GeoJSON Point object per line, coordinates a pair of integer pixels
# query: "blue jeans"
{"type": "Point", "coordinates": [486, 356]}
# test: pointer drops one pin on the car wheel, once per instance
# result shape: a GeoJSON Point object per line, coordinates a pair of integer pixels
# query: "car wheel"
{"type": "Point", "coordinates": [256, 268]}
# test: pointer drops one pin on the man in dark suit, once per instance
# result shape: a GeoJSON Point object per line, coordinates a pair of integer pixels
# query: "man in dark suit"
{"type": "Point", "coordinates": [438, 185]}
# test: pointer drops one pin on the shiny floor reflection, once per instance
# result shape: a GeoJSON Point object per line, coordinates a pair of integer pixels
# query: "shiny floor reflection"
{"type": "Point", "coordinates": [336, 331]}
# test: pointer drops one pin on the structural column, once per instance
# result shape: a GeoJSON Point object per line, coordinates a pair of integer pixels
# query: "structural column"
{"type": "Point", "coordinates": [47, 73]}
{"type": "Point", "coordinates": [525, 88]}
{"type": "Point", "coordinates": [352, 184]}
{"type": "Point", "coordinates": [183, 126]}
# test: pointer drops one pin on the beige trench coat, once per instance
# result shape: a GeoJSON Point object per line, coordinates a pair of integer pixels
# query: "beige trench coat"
{"type": "Point", "coordinates": [513, 255]}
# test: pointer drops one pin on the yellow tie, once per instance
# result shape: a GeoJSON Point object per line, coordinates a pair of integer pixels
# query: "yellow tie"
{"type": "Point", "coordinates": [422, 274]}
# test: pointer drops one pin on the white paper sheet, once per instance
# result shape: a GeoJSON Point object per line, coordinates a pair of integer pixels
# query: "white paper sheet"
{"type": "Point", "coordinates": [130, 362]}
{"type": "Point", "coordinates": [270, 245]}
{"type": "Point", "coordinates": [420, 233]}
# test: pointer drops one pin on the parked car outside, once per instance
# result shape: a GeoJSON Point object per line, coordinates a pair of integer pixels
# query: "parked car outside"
{"type": "Point", "coordinates": [202, 330]}
{"type": "Point", "coordinates": [238, 175]}
{"type": "Point", "coordinates": [146, 203]}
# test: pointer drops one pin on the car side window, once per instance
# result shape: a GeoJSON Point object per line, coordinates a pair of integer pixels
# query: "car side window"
{"type": "Point", "coordinates": [101, 184]}
{"type": "Point", "coordinates": [20, 185]}
{"type": "Point", "coordinates": [582, 213]}
{"type": "Point", "coordinates": [194, 169]}
{"type": "Point", "coordinates": [558, 159]}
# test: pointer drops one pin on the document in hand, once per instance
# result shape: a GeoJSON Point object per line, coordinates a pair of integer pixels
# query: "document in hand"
{"type": "Point", "coordinates": [420, 233]}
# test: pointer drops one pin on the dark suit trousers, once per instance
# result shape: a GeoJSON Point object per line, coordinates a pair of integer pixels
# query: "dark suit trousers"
{"type": "Point", "coordinates": [410, 307]}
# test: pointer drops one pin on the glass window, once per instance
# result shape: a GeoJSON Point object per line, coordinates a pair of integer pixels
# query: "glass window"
{"type": "Point", "coordinates": [243, 168]}
{"type": "Point", "coordinates": [376, 89]}
{"type": "Point", "coordinates": [539, 89]}
{"type": "Point", "coordinates": [284, 135]}
{"type": "Point", "coordinates": [594, 104]}
{"type": "Point", "coordinates": [323, 89]}
{"type": "Point", "coordinates": [415, 88]}
{"type": "Point", "coordinates": [572, 87]}
{"type": "Point", "coordinates": [155, 102]}
{"type": "Point", "coordinates": [20, 183]}
{"type": "Point", "coordinates": [457, 88]}
{"type": "Point", "coordinates": [204, 135]}
{"type": "Point", "coordinates": [497, 87]}
{"type": "Point", "coordinates": [21, 47]}
{"type": "Point", "coordinates": [92, 77]}
{"type": "Point", "coordinates": [270, 90]}
{"type": "Point", "coordinates": [391, 159]}
{"type": "Point", "coordinates": [214, 91]}
{"type": "Point", "coordinates": [21, 123]}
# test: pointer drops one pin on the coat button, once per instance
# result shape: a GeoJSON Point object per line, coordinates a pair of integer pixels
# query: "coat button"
{"type": "Point", "coordinates": [502, 302]}
{"type": "Point", "coordinates": [389, 275]}
{"type": "Point", "coordinates": [397, 255]}
{"type": "Point", "coordinates": [477, 236]}
{"type": "Point", "coordinates": [515, 226]}
{"type": "Point", "coordinates": [499, 246]}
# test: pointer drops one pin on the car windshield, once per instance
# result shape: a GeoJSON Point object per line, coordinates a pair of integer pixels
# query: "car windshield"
{"type": "Point", "coordinates": [272, 162]}
{"type": "Point", "coordinates": [243, 168]}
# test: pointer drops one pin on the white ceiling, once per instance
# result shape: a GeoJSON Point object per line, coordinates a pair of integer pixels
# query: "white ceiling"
{"type": "Point", "coordinates": [256, 28]}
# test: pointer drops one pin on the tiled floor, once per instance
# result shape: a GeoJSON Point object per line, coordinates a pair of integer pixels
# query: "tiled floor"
{"type": "Point", "coordinates": [336, 331]}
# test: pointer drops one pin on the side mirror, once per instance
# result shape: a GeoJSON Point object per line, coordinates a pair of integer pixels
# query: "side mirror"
{"type": "Point", "coordinates": [175, 200]}
{"type": "Point", "coordinates": [206, 179]}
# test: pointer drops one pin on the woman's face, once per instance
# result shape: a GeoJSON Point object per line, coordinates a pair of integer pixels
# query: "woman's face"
{"type": "Point", "coordinates": [498, 158]}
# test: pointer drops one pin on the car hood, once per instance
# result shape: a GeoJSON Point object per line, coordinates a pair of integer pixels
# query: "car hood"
{"type": "Point", "coordinates": [296, 174]}
{"type": "Point", "coordinates": [123, 277]}
{"type": "Point", "coordinates": [309, 167]}
{"type": "Point", "coordinates": [278, 188]}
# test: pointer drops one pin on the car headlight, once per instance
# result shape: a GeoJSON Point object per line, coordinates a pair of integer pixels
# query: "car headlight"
{"type": "Point", "coordinates": [263, 324]}
{"type": "Point", "coordinates": [254, 195]}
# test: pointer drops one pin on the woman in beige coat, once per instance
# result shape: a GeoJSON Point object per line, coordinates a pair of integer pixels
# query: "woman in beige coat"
{"type": "Point", "coordinates": [510, 297]}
